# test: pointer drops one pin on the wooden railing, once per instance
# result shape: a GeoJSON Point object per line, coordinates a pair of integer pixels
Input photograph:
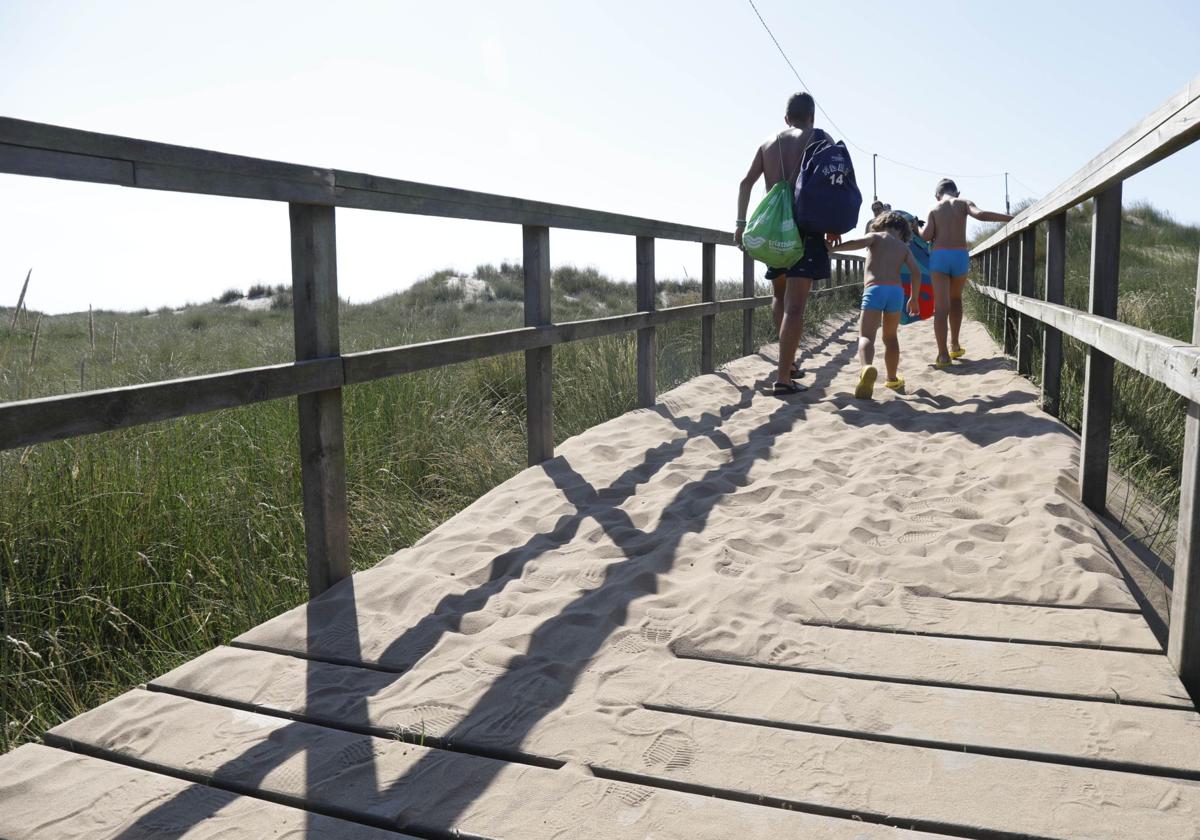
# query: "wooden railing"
{"type": "Point", "coordinates": [1004, 264]}
{"type": "Point", "coordinates": [321, 370]}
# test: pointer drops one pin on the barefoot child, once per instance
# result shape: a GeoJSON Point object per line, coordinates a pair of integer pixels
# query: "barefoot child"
{"type": "Point", "coordinates": [883, 297]}
{"type": "Point", "coordinates": [946, 231]}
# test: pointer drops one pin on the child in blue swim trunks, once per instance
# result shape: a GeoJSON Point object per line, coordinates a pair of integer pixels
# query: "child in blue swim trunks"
{"type": "Point", "coordinates": [946, 231]}
{"type": "Point", "coordinates": [883, 297]}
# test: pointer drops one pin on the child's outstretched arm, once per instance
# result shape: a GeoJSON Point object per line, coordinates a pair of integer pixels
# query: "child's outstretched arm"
{"type": "Point", "coordinates": [914, 286]}
{"type": "Point", "coordinates": [930, 230]}
{"type": "Point", "coordinates": [855, 244]}
{"type": "Point", "coordinates": [986, 215]}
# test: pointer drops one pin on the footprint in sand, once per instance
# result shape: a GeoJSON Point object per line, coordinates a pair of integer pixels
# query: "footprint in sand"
{"type": "Point", "coordinates": [629, 642]}
{"type": "Point", "coordinates": [671, 750]}
{"type": "Point", "coordinates": [539, 576]}
{"type": "Point", "coordinates": [591, 576]}
{"type": "Point", "coordinates": [662, 625]}
{"type": "Point", "coordinates": [175, 820]}
{"type": "Point", "coordinates": [961, 565]}
{"type": "Point", "coordinates": [730, 566]}
{"type": "Point", "coordinates": [491, 661]}
{"type": "Point", "coordinates": [920, 537]}
{"type": "Point", "coordinates": [633, 796]}
{"type": "Point", "coordinates": [424, 720]}
{"type": "Point", "coordinates": [712, 692]}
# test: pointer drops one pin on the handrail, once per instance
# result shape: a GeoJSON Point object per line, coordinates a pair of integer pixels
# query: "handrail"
{"type": "Point", "coordinates": [1007, 262]}
{"type": "Point", "coordinates": [1167, 129]}
{"type": "Point", "coordinates": [321, 370]}
{"type": "Point", "coordinates": [29, 148]}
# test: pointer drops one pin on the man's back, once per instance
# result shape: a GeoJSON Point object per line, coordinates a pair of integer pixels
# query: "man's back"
{"type": "Point", "coordinates": [949, 219]}
{"type": "Point", "coordinates": [781, 155]}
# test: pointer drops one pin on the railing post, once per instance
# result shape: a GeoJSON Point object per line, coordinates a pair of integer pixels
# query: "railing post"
{"type": "Point", "coordinates": [647, 386]}
{"type": "Point", "coordinates": [1098, 373]}
{"type": "Point", "coordinates": [1183, 640]}
{"type": "Point", "coordinates": [1056, 272]}
{"type": "Point", "coordinates": [322, 446]}
{"type": "Point", "coordinates": [747, 315]}
{"type": "Point", "coordinates": [1012, 261]}
{"type": "Point", "coordinates": [708, 294]}
{"type": "Point", "coordinates": [539, 362]}
{"type": "Point", "coordinates": [1028, 289]}
{"type": "Point", "coordinates": [837, 265]}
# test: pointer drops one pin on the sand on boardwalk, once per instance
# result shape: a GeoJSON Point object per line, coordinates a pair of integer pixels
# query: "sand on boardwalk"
{"type": "Point", "coordinates": [910, 572]}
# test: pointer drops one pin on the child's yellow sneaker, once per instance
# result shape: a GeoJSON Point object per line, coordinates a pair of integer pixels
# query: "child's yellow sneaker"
{"type": "Point", "coordinates": [896, 384]}
{"type": "Point", "coordinates": [957, 354]}
{"type": "Point", "coordinates": [942, 363]}
{"type": "Point", "coordinates": [866, 382]}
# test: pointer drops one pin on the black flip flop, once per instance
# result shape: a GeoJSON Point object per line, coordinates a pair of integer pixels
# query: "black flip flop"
{"type": "Point", "coordinates": [786, 389]}
{"type": "Point", "coordinates": [797, 371]}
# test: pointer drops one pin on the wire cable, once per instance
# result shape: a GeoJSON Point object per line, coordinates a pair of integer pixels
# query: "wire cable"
{"type": "Point", "coordinates": [843, 134]}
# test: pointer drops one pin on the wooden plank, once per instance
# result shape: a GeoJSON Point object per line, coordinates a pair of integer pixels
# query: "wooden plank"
{"type": "Point", "coordinates": [19, 160]}
{"type": "Point", "coordinates": [1096, 435]}
{"type": "Point", "coordinates": [1056, 272]}
{"type": "Point", "coordinates": [395, 780]}
{"type": "Point", "coordinates": [1183, 640]}
{"type": "Point", "coordinates": [390, 361]}
{"type": "Point", "coordinates": [1027, 288]}
{"type": "Point", "coordinates": [928, 788]}
{"type": "Point", "coordinates": [55, 151]}
{"type": "Point", "coordinates": [322, 446]}
{"type": "Point", "coordinates": [1044, 670]}
{"type": "Point", "coordinates": [539, 361]}
{"type": "Point", "coordinates": [647, 301]}
{"type": "Point", "coordinates": [708, 292]}
{"type": "Point", "coordinates": [1089, 734]}
{"type": "Point", "coordinates": [1012, 258]}
{"type": "Point", "coordinates": [1169, 128]}
{"type": "Point", "coordinates": [748, 315]}
{"type": "Point", "coordinates": [1166, 360]}
{"type": "Point", "coordinates": [27, 422]}
{"type": "Point", "coordinates": [49, 793]}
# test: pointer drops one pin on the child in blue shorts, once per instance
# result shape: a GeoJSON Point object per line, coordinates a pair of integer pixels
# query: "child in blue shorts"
{"type": "Point", "coordinates": [883, 297]}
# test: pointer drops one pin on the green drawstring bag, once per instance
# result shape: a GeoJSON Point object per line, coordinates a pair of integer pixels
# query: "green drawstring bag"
{"type": "Point", "coordinates": [770, 235]}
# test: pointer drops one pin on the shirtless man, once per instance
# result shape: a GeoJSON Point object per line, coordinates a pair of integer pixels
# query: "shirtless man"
{"type": "Point", "coordinates": [775, 160]}
{"type": "Point", "coordinates": [883, 298]}
{"type": "Point", "coordinates": [946, 231]}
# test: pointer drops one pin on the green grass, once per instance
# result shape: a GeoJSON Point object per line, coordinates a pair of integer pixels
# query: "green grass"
{"type": "Point", "coordinates": [123, 555]}
{"type": "Point", "coordinates": [1157, 293]}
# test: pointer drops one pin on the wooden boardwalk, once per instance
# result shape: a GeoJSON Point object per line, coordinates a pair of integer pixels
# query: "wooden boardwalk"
{"type": "Point", "coordinates": [730, 616]}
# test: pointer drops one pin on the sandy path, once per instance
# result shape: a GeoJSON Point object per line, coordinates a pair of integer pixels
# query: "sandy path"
{"type": "Point", "coordinates": [885, 612]}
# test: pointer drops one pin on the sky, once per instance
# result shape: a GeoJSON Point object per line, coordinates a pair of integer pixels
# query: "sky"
{"type": "Point", "coordinates": [652, 108]}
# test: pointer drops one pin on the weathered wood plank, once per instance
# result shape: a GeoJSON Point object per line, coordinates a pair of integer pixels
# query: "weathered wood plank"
{"type": "Point", "coordinates": [1169, 128]}
{"type": "Point", "coordinates": [394, 780]}
{"type": "Point", "coordinates": [375, 364]}
{"type": "Point", "coordinates": [1096, 435]}
{"type": "Point", "coordinates": [748, 315]}
{"type": "Point", "coordinates": [539, 361]}
{"type": "Point", "coordinates": [938, 789]}
{"type": "Point", "coordinates": [708, 292]}
{"type": "Point", "coordinates": [1183, 640]}
{"type": "Point", "coordinates": [1056, 272]}
{"type": "Point", "coordinates": [1028, 288]}
{"type": "Point", "coordinates": [1166, 360]}
{"type": "Point", "coordinates": [19, 160]}
{"type": "Point", "coordinates": [1079, 673]}
{"type": "Point", "coordinates": [322, 445]}
{"type": "Point", "coordinates": [1093, 734]}
{"type": "Point", "coordinates": [1011, 267]}
{"type": "Point", "coordinates": [48, 793]}
{"type": "Point", "coordinates": [27, 422]}
{"type": "Point", "coordinates": [647, 301]}
{"type": "Point", "coordinates": [55, 151]}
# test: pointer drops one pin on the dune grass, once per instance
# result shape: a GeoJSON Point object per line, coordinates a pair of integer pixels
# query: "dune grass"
{"type": "Point", "coordinates": [123, 555]}
{"type": "Point", "coordinates": [1157, 293]}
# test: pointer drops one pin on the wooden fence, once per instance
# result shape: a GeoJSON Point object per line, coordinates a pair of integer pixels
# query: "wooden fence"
{"type": "Point", "coordinates": [321, 370]}
{"type": "Point", "coordinates": [1005, 265]}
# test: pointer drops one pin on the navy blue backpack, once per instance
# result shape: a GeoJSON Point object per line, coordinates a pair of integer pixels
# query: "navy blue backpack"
{"type": "Point", "coordinates": [827, 198]}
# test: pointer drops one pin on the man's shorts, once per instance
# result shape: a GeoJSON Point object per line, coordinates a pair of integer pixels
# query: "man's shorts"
{"type": "Point", "coordinates": [952, 261]}
{"type": "Point", "coordinates": [814, 264]}
{"type": "Point", "coordinates": [883, 298]}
